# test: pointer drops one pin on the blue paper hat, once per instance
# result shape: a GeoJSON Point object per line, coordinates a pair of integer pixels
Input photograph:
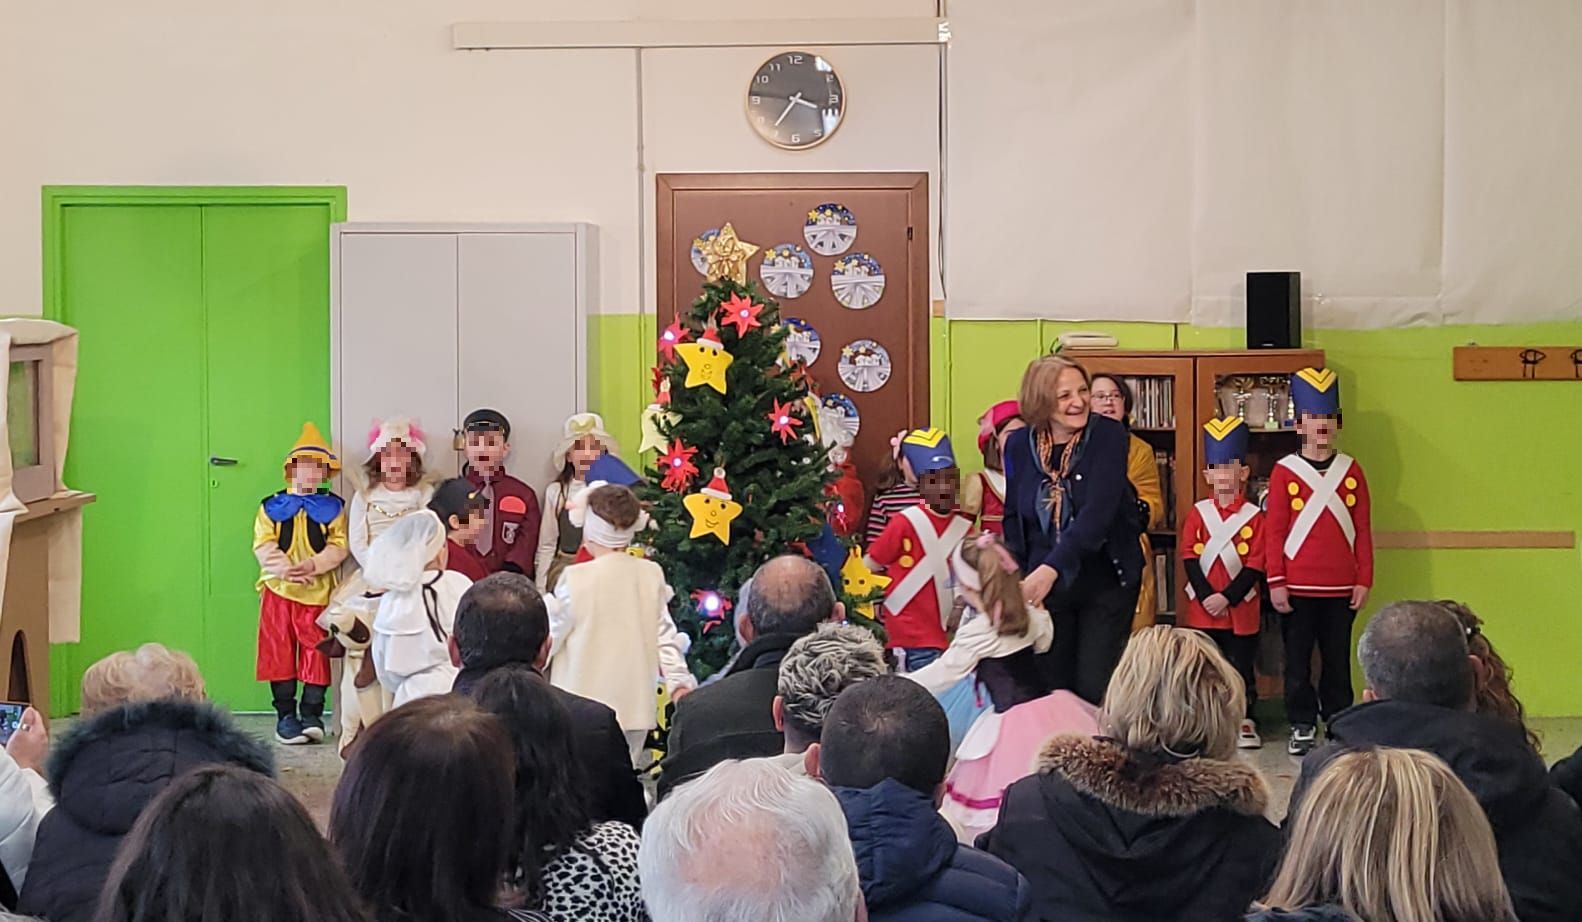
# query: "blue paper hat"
{"type": "Point", "coordinates": [927, 450]}
{"type": "Point", "coordinates": [1225, 441]}
{"type": "Point", "coordinates": [612, 470]}
{"type": "Point", "coordinates": [1316, 391]}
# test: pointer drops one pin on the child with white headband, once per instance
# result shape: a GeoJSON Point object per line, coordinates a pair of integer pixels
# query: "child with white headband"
{"type": "Point", "coordinates": [992, 655]}
{"type": "Point", "coordinates": [611, 636]}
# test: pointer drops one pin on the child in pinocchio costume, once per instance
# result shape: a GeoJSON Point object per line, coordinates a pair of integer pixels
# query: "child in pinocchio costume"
{"type": "Point", "coordinates": [1223, 553]}
{"type": "Point", "coordinates": [299, 537]}
{"type": "Point", "coordinates": [914, 549]}
{"type": "Point", "coordinates": [509, 540]}
{"type": "Point", "coordinates": [1318, 556]}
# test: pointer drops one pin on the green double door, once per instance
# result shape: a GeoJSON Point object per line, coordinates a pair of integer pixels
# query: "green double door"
{"type": "Point", "coordinates": [204, 326]}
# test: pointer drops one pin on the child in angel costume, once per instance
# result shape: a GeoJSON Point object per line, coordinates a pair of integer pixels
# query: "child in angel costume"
{"type": "Point", "coordinates": [416, 608]}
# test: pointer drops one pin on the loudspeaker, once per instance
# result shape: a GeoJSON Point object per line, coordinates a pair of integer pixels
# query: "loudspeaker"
{"type": "Point", "coordinates": [1274, 310]}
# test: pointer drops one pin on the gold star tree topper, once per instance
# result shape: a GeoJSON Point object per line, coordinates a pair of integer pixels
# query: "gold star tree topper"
{"type": "Point", "coordinates": [727, 255]}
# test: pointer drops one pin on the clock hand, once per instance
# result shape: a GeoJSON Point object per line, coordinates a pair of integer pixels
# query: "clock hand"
{"type": "Point", "coordinates": [791, 104]}
{"type": "Point", "coordinates": [802, 102]}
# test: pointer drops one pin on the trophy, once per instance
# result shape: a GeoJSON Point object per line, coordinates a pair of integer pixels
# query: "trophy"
{"type": "Point", "coordinates": [1272, 385]}
{"type": "Point", "coordinates": [1242, 385]}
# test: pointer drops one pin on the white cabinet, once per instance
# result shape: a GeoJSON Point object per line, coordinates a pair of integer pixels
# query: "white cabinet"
{"type": "Point", "coordinates": [435, 320]}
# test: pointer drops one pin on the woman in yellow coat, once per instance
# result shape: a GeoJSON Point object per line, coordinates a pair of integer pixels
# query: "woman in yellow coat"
{"type": "Point", "coordinates": [1111, 397]}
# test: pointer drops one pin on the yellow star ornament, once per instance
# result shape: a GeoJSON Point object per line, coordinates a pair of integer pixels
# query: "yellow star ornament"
{"type": "Point", "coordinates": [861, 582]}
{"type": "Point", "coordinates": [712, 509]}
{"type": "Point", "coordinates": [706, 361]}
{"type": "Point", "coordinates": [727, 255]}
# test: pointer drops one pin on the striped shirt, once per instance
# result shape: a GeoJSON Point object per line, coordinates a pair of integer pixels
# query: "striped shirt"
{"type": "Point", "coordinates": [886, 503]}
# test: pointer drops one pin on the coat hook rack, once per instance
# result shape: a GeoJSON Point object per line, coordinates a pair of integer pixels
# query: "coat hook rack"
{"type": "Point", "coordinates": [1518, 363]}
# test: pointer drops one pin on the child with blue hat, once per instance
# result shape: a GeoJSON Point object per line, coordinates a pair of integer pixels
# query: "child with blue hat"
{"type": "Point", "coordinates": [1319, 557]}
{"type": "Point", "coordinates": [915, 548]}
{"type": "Point", "coordinates": [1222, 552]}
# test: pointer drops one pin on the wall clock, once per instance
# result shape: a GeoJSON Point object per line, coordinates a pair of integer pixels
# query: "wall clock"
{"type": "Point", "coordinates": [796, 100]}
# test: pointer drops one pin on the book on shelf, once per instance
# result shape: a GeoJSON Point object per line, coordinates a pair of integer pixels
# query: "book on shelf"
{"type": "Point", "coordinates": [1163, 577]}
{"type": "Point", "coordinates": [1153, 401]}
{"type": "Point", "coordinates": [1166, 464]}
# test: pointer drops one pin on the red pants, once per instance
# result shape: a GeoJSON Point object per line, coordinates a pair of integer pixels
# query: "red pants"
{"type": "Point", "coordinates": [286, 638]}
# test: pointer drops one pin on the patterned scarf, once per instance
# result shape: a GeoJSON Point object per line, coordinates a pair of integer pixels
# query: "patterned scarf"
{"type": "Point", "coordinates": [1053, 511]}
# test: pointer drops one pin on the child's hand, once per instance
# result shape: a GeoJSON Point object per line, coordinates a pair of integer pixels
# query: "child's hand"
{"type": "Point", "coordinates": [1216, 604]}
{"type": "Point", "coordinates": [678, 694]}
{"type": "Point", "coordinates": [1280, 598]}
{"type": "Point", "coordinates": [1359, 597]}
{"type": "Point", "coordinates": [298, 570]}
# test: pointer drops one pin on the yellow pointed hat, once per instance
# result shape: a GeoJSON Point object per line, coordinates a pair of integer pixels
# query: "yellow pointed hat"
{"type": "Point", "coordinates": [312, 445]}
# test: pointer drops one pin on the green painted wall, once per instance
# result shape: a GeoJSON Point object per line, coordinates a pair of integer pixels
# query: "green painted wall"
{"type": "Point", "coordinates": [1440, 454]}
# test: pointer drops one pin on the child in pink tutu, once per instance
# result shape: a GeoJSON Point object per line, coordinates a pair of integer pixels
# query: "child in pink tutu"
{"type": "Point", "coordinates": [995, 646]}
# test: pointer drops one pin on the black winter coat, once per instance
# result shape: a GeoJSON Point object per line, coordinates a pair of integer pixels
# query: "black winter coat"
{"type": "Point", "coordinates": [913, 869]}
{"type": "Point", "coordinates": [604, 762]}
{"type": "Point", "coordinates": [102, 774]}
{"type": "Point", "coordinates": [1537, 827]}
{"type": "Point", "coordinates": [730, 719]}
{"type": "Point", "coordinates": [1310, 914]}
{"type": "Point", "coordinates": [1104, 836]}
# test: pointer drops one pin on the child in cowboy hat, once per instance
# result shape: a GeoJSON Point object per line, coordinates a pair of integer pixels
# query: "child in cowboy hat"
{"type": "Point", "coordinates": [299, 538]}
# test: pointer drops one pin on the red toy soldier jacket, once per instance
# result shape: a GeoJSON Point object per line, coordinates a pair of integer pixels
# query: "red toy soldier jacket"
{"type": "Point", "coordinates": [1320, 534]}
{"type": "Point", "coordinates": [1222, 543]}
{"type": "Point", "coordinates": [510, 540]}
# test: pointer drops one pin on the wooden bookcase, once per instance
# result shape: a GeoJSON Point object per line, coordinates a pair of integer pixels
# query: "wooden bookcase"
{"type": "Point", "coordinates": [1190, 385]}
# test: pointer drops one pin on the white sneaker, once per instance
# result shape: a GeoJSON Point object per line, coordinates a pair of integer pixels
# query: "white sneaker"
{"type": "Point", "coordinates": [1247, 737]}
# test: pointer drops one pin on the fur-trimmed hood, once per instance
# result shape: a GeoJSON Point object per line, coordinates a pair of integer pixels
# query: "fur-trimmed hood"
{"type": "Point", "coordinates": [109, 766]}
{"type": "Point", "coordinates": [1102, 769]}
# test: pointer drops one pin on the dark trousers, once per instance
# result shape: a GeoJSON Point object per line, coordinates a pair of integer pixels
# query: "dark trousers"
{"type": "Point", "coordinates": [1241, 650]}
{"type": "Point", "coordinates": [1326, 624]}
{"type": "Point", "coordinates": [1093, 621]}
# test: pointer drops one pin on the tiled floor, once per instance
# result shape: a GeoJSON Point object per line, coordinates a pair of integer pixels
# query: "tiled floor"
{"type": "Point", "coordinates": [311, 771]}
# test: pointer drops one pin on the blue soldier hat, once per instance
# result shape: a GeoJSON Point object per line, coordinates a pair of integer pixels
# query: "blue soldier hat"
{"type": "Point", "coordinates": [927, 450]}
{"type": "Point", "coordinates": [1225, 441]}
{"type": "Point", "coordinates": [1316, 391]}
{"type": "Point", "coordinates": [612, 470]}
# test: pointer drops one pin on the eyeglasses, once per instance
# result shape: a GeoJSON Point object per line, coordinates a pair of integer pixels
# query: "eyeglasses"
{"type": "Point", "coordinates": [1104, 398]}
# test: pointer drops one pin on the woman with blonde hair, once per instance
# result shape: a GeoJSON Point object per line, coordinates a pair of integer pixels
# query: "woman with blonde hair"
{"type": "Point", "coordinates": [144, 723]}
{"type": "Point", "coordinates": [1155, 818]}
{"type": "Point", "coordinates": [1073, 524]}
{"type": "Point", "coordinates": [1388, 835]}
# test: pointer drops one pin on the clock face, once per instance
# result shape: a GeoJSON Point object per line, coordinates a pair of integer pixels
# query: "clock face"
{"type": "Point", "coordinates": [795, 100]}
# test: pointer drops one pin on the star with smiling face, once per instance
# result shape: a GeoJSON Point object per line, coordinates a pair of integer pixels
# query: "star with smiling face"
{"type": "Point", "coordinates": [727, 255]}
{"type": "Point", "coordinates": [706, 361]}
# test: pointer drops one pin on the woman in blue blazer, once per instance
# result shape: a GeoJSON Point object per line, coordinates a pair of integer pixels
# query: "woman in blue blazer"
{"type": "Point", "coordinates": [1072, 521]}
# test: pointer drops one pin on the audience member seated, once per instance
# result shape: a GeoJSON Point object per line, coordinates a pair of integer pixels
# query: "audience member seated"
{"type": "Point", "coordinates": [24, 800]}
{"type": "Point", "coordinates": [813, 674]}
{"type": "Point", "coordinates": [144, 722]}
{"type": "Point", "coordinates": [1494, 695]}
{"type": "Point", "coordinates": [502, 621]}
{"type": "Point", "coordinates": [749, 841]}
{"type": "Point", "coordinates": [564, 864]}
{"type": "Point", "coordinates": [1420, 687]}
{"type": "Point", "coordinates": [733, 718]}
{"type": "Point", "coordinates": [1421, 851]}
{"type": "Point", "coordinates": [1155, 819]}
{"type": "Point", "coordinates": [225, 843]}
{"type": "Point", "coordinates": [883, 752]}
{"type": "Point", "coordinates": [424, 817]}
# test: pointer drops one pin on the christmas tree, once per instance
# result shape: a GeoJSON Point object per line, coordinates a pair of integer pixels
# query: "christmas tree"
{"type": "Point", "coordinates": [740, 476]}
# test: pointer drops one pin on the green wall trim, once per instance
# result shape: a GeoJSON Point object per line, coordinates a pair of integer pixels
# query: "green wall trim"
{"type": "Point", "coordinates": [56, 199]}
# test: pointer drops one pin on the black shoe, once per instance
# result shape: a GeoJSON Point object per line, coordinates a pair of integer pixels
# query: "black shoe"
{"type": "Point", "coordinates": [1303, 739]}
{"type": "Point", "coordinates": [289, 731]}
{"type": "Point", "coordinates": [313, 712]}
{"type": "Point", "coordinates": [313, 728]}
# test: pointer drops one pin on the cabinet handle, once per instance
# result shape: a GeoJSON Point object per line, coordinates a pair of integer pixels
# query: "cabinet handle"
{"type": "Point", "coordinates": [222, 462]}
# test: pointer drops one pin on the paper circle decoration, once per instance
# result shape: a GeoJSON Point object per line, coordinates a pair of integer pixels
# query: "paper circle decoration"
{"type": "Point", "coordinates": [864, 366]}
{"type": "Point", "coordinates": [787, 271]}
{"type": "Point", "coordinates": [830, 230]}
{"type": "Point", "coordinates": [858, 281]}
{"type": "Point", "coordinates": [699, 261]}
{"type": "Point", "coordinates": [802, 341]}
{"type": "Point", "coordinates": [838, 419]}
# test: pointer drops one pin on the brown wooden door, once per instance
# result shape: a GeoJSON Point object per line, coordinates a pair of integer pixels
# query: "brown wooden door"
{"type": "Point", "coordinates": [771, 209]}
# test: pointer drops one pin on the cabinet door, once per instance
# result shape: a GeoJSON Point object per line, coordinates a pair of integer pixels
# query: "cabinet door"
{"type": "Point", "coordinates": [396, 338]}
{"type": "Point", "coordinates": [520, 346]}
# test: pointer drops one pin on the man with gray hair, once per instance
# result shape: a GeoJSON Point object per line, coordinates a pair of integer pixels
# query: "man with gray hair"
{"type": "Point", "coordinates": [1420, 686]}
{"type": "Point", "coordinates": [749, 841]}
{"type": "Point", "coordinates": [815, 671]}
{"type": "Point", "coordinates": [733, 718]}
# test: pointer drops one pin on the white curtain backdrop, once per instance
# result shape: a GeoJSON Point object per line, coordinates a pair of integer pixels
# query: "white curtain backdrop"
{"type": "Point", "coordinates": [1418, 161]}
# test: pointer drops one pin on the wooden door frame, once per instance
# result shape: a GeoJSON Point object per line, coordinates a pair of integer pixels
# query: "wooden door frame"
{"type": "Point", "coordinates": [56, 199]}
{"type": "Point", "coordinates": [914, 184]}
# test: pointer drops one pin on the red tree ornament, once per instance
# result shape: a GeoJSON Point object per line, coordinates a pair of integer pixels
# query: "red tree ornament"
{"type": "Point", "coordinates": [674, 335]}
{"type": "Point", "coordinates": [740, 312]}
{"type": "Point", "coordinates": [783, 421]}
{"type": "Point", "coordinates": [678, 467]}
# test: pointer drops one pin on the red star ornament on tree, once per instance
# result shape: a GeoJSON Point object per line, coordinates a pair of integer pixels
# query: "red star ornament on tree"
{"type": "Point", "coordinates": [674, 335]}
{"type": "Point", "coordinates": [801, 377]}
{"type": "Point", "coordinates": [678, 467]}
{"type": "Point", "coordinates": [741, 313]}
{"type": "Point", "coordinates": [783, 421]}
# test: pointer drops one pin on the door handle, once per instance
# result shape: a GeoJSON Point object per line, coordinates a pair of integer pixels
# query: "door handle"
{"type": "Point", "coordinates": [222, 462]}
